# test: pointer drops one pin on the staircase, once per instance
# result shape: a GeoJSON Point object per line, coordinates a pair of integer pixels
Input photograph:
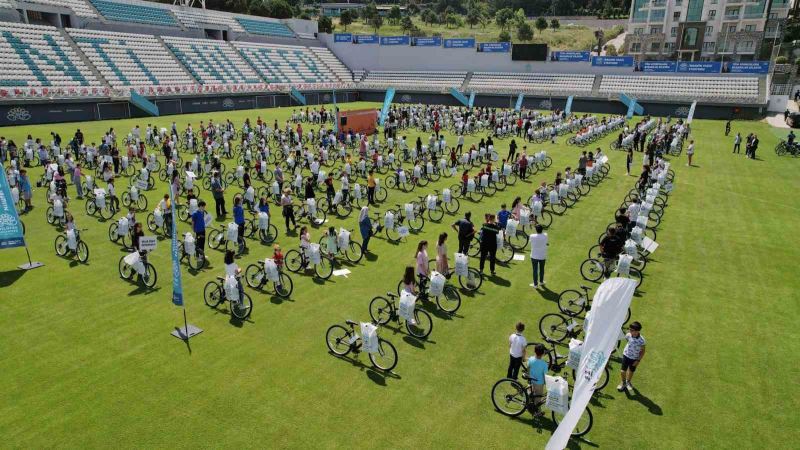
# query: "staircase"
{"type": "Point", "coordinates": [762, 89]}
{"type": "Point", "coordinates": [84, 58]}
{"type": "Point", "coordinates": [175, 59]}
{"type": "Point", "coordinates": [467, 79]}
{"type": "Point", "coordinates": [596, 86]}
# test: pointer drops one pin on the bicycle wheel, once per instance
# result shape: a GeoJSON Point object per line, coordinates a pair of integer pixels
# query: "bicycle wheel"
{"type": "Point", "coordinates": [212, 294]}
{"type": "Point", "coordinates": [50, 215]}
{"type": "Point", "coordinates": [269, 235]}
{"type": "Point", "coordinates": [472, 281]}
{"type": "Point", "coordinates": [509, 397]}
{"type": "Point", "coordinates": [380, 310]}
{"type": "Point", "coordinates": [416, 223]}
{"type": "Point", "coordinates": [592, 270]}
{"type": "Point", "coordinates": [545, 219]}
{"type": "Point", "coordinates": [601, 382]}
{"type": "Point", "coordinates": [504, 254]}
{"type": "Point", "coordinates": [518, 241]}
{"type": "Point", "coordinates": [450, 300]}
{"type": "Point", "coordinates": [558, 208]}
{"type": "Point", "coordinates": [150, 276]}
{"type": "Point", "coordinates": [453, 206]}
{"type": "Point", "coordinates": [91, 207]}
{"type": "Point", "coordinates": [584, 422]}
{"type": "Point", "coordinates": [141, 203]}
{"type": "Point", "coordinates": [381, 193]}
{"type": "Point", "coordinates": [571, 302]}
{"type": "Point", "coordinates": [337, 339]}
{"type": "Point", "coordinates": [285, 285]}
{"type": "Point", "coordinates": [126, 199]}
{"type": "Point", "coordinates": [324, 269]}
{"type": "Point", "coordinates": [107, 212]}
{"type": "Point", "coordinates": [196, 262]}
{"type": "Point", "coordinates": [386, 356]}
{"type": "Point", "coordinates": [422, 326]}
{"type": "Point", "coordinates": [83, 252]}
{"type": "Point", "coordinates": [125, 271]}
{"type": "Point", "coordinates": [242, 308]}
{"type": "Point", "coordinates": [353, 252]}
{"type": "Point", "coordinates": [435, 215]}
{"type": "Point", "coordinates": [553, 327]}
{"type": "Point", "coordinates": [254, 276]}
{"type": "Point", "coordinates": [392, 234]}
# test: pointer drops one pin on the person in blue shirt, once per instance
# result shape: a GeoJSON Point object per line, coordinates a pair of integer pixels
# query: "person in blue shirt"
{"type": "Point", "coordinates": [537, 368]}
{"type": "Point", "coordinates": [263, 204]}
{"type": "Point", "coordinates": [503, 216]}
{"type": "Point", "coordinates": [25, 189]}
{"type": "Point", "coordinates": [199, 227]}
{"type": "Point", "coordinates": [238, 219]}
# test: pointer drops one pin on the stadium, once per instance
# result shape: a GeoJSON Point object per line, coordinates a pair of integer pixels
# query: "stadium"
{"type": "Point", "coordinates": [222, 228]}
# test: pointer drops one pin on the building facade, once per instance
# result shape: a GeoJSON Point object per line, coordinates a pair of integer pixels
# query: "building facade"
{"type": "Point", "coordinates": [705, 30]}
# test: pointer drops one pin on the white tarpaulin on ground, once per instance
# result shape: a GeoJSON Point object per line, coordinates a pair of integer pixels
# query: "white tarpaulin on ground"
{"type": "Point", "coordinates": [609, 308]}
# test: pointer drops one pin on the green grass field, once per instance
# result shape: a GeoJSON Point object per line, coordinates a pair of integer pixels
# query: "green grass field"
{"type": "Point", "coordinates": [87, 359]}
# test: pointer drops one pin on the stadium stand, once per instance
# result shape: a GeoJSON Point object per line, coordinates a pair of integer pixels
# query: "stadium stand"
{"type": "Point", "coordinates": [531, 83]}
{"type": "Point", "coordinates": [80, 7]}
{"type": "Point", "coordinates": [211, 62]}
{"type": "Point", "coordinates": [329, 59]}
{"type": "Point", "coordinates": [135, 13]}
{"type": "Point", "coordinates": [738, 89]}
{"type": "Point", "coordinates": [192, 17]}
{"type": "Point", "coordinates": [37, 55]}
{"type": "Point", "coordinates": [265, 28]}
{"type": "Point", "coordinates": [286, 64]}
{"type": "Point", "coordinates": [6, 4]}
{"type": "Point", "coordinates": [125, 59]}
{"type": "Point", "coordinates": [422, 81]}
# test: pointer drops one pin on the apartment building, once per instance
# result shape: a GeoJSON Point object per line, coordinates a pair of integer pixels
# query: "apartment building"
{"type": "Point", "coordinates": [705, 30]}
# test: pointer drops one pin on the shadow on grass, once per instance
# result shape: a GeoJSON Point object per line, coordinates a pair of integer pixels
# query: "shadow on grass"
{"type": "Point", "coordinates": [10, 277]}
{"type": "Point", "coordinates": [277, 299]}
{"type": "Point", "coordinates": [546, 424]}
{"type": "Point", "coordinates": [651, 406]}
{"type": "Point", "coordinates": [499, 281]}
{"type": "Point", "coordinates": [142, 289]}
{"type": "Point", "coordinates": [377, 376]}
{"type": "Point", "coordinates": [549, 295]}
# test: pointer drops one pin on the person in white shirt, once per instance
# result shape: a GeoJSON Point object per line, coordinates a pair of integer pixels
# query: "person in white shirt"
{"type": "Point", "coordinates": [517, 344]}
{"type": "Point", "coordinates": [632, 355]}
{"type": "Point", "coordinates": [539, 245]}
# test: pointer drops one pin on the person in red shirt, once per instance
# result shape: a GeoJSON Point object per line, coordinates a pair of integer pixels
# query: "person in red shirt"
{"type": "Point", "coordinates": [277, 256]}
{"type": "Point", "coordinates": [523, 165]}
{"type": "Point", "coordinates": [464, 181]}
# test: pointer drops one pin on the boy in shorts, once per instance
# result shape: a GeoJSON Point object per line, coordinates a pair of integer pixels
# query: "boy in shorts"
{"type": "Point", "coordinates": [632, 355]}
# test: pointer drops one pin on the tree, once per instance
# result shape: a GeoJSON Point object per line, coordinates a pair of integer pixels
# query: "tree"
{"type": "Point", "coordinates": [504, 37]}
{"type": "Point", "coordinates": [325, 24]}
{"type": "Point", "coordinates": [412, 9]}
{"type": "Point", "coordinates": [525, 32]}
{"type": "Point", "coordinates": [394, 15]}
{"type": "Point", "coordinates": [454, 20]}
{"type": "Point", "coordinates": [376, 22]}
{"type": "Point", "coordinates": [345, 19]}
{"type": "Point", "coordinates": [279, 9]}
{"type": "Point", "coordinates": [519, 17]}
{"type": "Point", "coordinates": [369, 12]}
{"type": "Point", "coordinates": [541, 24]}
{"type": "Point", "coordinates": [503, 17]}
{"type": "Point", "coordinates": [554, 24]}
{"type": "Point", "coordinates": [611, 50]}
{"type": "Point", "coordinates": [407, 25]}
{"type": "Point", "coordinates": [473, 17]}
{"type": "Point", "coordinates": [431, 17]}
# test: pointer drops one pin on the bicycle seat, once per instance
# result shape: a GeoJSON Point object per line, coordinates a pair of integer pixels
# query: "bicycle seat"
{"type": "Point", "coordinates": [584, 287]}
{"type": "Point", "coordinates": [391, 295]}
{"type": "Point", "coordinates": [350, 322]}
{"type": "Point", "coordinates": [221, 278]}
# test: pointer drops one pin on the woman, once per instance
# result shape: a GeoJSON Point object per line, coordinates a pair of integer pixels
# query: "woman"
{"type": "Point", "coordinates": [288, 209]}
{"type": "Point", "coordinates": [628, 162]}
{"type": "Point", "coordinates": [365, 226]}
{"type": "Point", "coordinates": [516, 206]}
{"type": "Point", "coordinates": [305, 243]}
{"type": "Point", "coordinates": [263, 204]}
{"type": "Point", "coordinates": [464, 182]}
{"type": "Point", "coordinates": [690, 152]}
{"type": "Point", "coordinates": [422, 259]}
{"type": "Point", "coordinates": [442, 265]}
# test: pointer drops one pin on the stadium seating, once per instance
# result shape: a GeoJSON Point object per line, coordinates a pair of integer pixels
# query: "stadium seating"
{"type": "Point", "coordinates": [211, 62]}
{"type": "Point", "coordinates": [135, 13]}
{"type": "Point", "coordinates": [265, 28]}
{"type": "Point", "coordinates": [6, 4]}
{"type": "Point", "coordinates": [130, 59]}
{"type": "Point", "coordinates": [193, 17]}
{"type": "Point", "coordinates": [744, 89]}
{"type": "Point", "coordinates": [422, 81]}
{"type": "Point", "coordinates": [340, 70]}
{"type": "Point", "coordinates": [531, 83]}
{"type": "Point", "coordinates": [81, 7]}
{"type": "Point", "coordinates": [287, 64]}
{"type": "Point", "coordinates": [36, 55]}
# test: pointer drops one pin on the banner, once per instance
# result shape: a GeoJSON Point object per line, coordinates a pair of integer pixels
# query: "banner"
{"type": "Point", "coordinates": [435, 41]}
{"type": "Point", "coordinates": [459, 43]}
{"type": "Point", "coordinates": [609, 308]}
{"type": "Point", "coordinates": [699, 66]}
{"type": "Point", "coordinates": [494, 47]}
{"type": "Point", "coordinates": [395, 40]}
{"type": "Point", "coordinates": [343, 37]}
{"type": "Point", "coordinates": [746, 67]}
{"type": "Point", "coordinates": [656, 66]}
{"type": "Point", "coordinates": [690, 116]}
{"type": "Point", "coordinates": [10, 226]}
{"type": "Point", "coordinates": [365, 39]}
{"type": "Point", "coordinates": [568, 56]}
{"type": "Point", "coordinates": [177, 288]}
{"type": "Point", "coordinates": [612, 61]}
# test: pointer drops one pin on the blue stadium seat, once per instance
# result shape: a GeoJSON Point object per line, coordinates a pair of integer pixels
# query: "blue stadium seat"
{"type": "Point", "coordinates": [265, 28]}
{"type": "Point", "coordinates": [127, 12]}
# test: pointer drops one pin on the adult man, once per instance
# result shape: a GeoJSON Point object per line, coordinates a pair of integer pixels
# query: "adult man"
{"type": "Point", "coordinates": [466, 230]}
{"type": "Point", "coordinates": [727, 127]}
{"type": "Point", "coordinates": [489, 232]}
{"type": "Point", "coordinates": [610, 248]}
{"type": "Point", "coordinates": [238, 219]}
{"type": "Point", "coordinates": [516, 350]}
{"type": "Point", "coordinates": [219, 195]}
{"type": "Point", "coordinates": [582, 164]}
{"type": "Point", "coordinates": [199, 228]}
{"type": "Point", "coordinates": [737, 143]}
{"type": "Point", "coordinates": [539, 245]}
{"type": "Point", "coordinates": [754, 146]}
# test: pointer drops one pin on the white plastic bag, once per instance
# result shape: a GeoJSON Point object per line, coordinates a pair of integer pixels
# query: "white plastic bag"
{"type": "Point", "coordinates": [312, 206]}
{"type": "Point", "coordinates": [557, 394]}
{"type": "Point", "coordinates": [369, 337]}
{"type": "Point", "coordinates": [462, 264]}
{"type": "Point", "coordinates": [630, 247]}
{"type": "Point", "coordinates": [314, 253]}
{"type": "Point", "coordinates": [72, 241]}
{"type": "Point", "coordinates": [357, 191]}
{"type": "Point", "coordinates": [402, 231]}
{"type": "Point", "coordinates": [553, 197]}
{"type": "Point", "coordinates": [100, 198]}
{"type": "Point", "coordinates": [122, 226]}
{"type": "Point", "coordinates": [406, 309]}
{"type": "Point", "coordinates": [430, 202]}
{"type": "Point", "coordinates": [271, 270]}
{"type": "Point", "coordinates": [263, 221]}
{"type": "Point", "coordinates": [575, 351]}
{"type": "Point", "coordinates": [525, 216]}
{"type": "Point", "coordinates": [437, 284]}
{"type": "Point", "coordinates": [343, 239]}
{"type": "Point", "coordinates": [511, 227]}
{"type": "Point", "coordinates": [58, 208]}
{"type": "Point", "coordinates": [447, 196]}
{"type": "Point", "coordinates": [624, 265]}
{"type": "Point", "coordinates": [470, 185]}
{"type": "Point", "coordinates": [232, 234]}
{"type": "Point", "coordinates": [231, 289]}
{"type": "Point", "coordinates": [408, 208]}
{"type": "Point", "coordinates": [189, 244]}
{"type": "Point", "coordinates": [484, 180]}
{"type": "Point", "coordinates": [500, 239]}
{"type": "Point", "coordinates": [388, 220]}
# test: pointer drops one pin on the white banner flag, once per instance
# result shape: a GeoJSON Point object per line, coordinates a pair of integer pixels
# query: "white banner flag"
{"type": "Point", "coordinates": [609, 308]}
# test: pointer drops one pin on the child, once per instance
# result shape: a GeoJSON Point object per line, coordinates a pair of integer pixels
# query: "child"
{"type": "Point", "coordinates": [277, 256]}
{"type": "Point", "coordinates": [516, 350]}
{"type": "Point", "coordinates": [537, 369]}
{"type": "Point", "coordinates": [409, 281]}
{"type": "Point", "coordinates": [632, 355]}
